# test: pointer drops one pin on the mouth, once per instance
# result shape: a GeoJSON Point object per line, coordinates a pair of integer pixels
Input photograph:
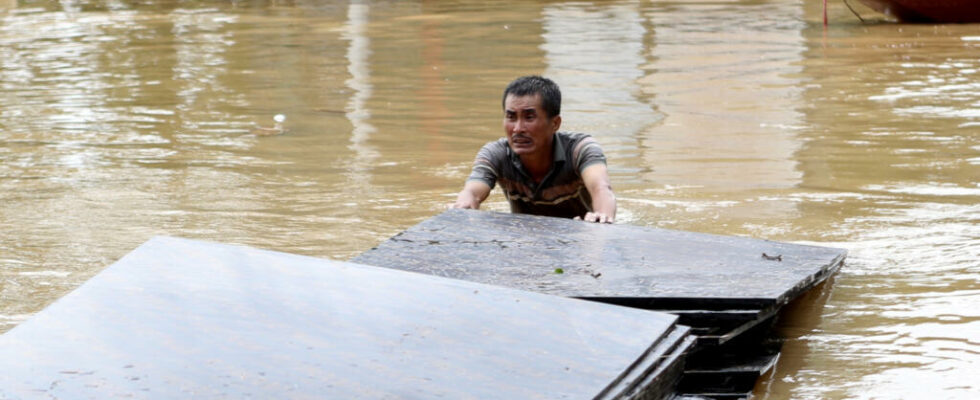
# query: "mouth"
{"type": "Point", "coordinates": [521, 141]}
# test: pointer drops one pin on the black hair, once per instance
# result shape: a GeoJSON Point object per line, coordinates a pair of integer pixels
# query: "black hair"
{"type": "Point", "coordinates": [532, 85]}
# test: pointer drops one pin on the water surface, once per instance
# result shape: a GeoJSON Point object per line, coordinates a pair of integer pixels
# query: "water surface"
{"type": "Point", "coordinates": [122, 120]}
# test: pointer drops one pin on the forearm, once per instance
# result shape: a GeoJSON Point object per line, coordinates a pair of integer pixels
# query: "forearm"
{"type": "Point", "coordinates": [604, 202]}
{"type": "Point", "coordinates": [596, 180]}
{"type": "Point", "coordinates": [472, 195]}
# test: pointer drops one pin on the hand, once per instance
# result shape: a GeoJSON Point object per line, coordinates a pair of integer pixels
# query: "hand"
{"type": "Point", "coordinates": [463, 204]}
{"type": "Point", "coordinates": [473, 193]}
{"type": "Point", "coordinates": [596, 217]}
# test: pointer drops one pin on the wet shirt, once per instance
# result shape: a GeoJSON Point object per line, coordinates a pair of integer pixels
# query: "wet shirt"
{"type": "Point", "coordinates": [562, 193]}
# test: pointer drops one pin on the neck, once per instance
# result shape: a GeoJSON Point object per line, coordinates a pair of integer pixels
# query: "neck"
{"type": "Point", "coordinates": [538, 165]}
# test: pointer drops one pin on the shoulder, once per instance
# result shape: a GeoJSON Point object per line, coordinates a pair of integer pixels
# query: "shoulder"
{"type": "Point", "coordinates": [494, 152]}
{"type": "Point", "coordinates": [582, 149]}
{"type": "Point", "coordinates": [572, 137]}
{"type": "Point", "coordinates": [576, 143]}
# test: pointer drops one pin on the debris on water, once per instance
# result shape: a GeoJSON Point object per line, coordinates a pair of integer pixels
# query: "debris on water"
{"type": "Point", "coordinates": [330, 110]}
{"type": "Point", "coordinates": [274, 130]}
{"type": "Point", "coordinates": [778, 257]}
{"type": "Point", "coordinates": [559, 271]}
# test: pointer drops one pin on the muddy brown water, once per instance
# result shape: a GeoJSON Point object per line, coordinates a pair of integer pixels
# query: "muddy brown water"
{"type": "Point", "coordinates": [121, 120]}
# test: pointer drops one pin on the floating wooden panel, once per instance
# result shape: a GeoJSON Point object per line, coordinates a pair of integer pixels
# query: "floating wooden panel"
{"type": "Point", "coordinates": [722, 283]}
{"type": "Point", "coordinates": [185, 319]}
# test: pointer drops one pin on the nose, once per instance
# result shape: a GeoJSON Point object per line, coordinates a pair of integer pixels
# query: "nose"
{"type": "Point", "coordinates": [517, 126]}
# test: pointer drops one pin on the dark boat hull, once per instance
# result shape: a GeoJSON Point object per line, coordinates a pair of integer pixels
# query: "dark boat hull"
{"type": "Point", "coordinates": [941, 11]}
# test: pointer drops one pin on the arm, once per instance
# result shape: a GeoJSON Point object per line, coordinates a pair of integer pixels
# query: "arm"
{"type": "Point", "coordinates": [483, 177]}
{"type": "Point", "coordinates": [596, 178]}
{"type": "Point", "coordinates": [473, 193]}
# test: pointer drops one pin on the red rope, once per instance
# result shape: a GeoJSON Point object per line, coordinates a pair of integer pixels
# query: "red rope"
{"type": "Point", "coordinates": [825, 13]}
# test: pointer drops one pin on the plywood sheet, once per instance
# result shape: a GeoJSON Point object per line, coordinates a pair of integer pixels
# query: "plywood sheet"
{"type": "Point", "coordinates": [178, 318]}
{"type": "Point", "coordinates": [578, 259]}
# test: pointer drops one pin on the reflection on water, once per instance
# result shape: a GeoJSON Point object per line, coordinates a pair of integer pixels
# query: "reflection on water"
{"type": "Point", "coordinates": [730, 87]}
{"type": "Point", "coordinates": [124, 120]}
{"type": "Point", "coordinates": [596, 53]}
{"type": "Point", "coordinates": [364, 156]}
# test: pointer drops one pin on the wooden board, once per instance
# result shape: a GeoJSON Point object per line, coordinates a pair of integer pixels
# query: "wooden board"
{"type": "Point", "coordinates": [722, 285]}
{"type": "Point", "coordinates": [179, 318]}
{"type": "Point", "coordinates": [728, 289]}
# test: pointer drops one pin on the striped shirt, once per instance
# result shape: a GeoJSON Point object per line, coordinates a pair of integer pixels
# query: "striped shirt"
{"type": "Point", "coordinates": [562, 193]}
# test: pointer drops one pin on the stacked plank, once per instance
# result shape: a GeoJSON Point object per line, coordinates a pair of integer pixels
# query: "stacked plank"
{"type": "Point", "coordinates": [177, 318]}
{"type": "Point", "coordinates": [728, 289]}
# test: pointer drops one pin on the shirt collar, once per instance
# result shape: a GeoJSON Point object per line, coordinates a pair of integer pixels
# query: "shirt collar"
{"type": "Point", "coordinates": [558, 149]}
{"type": "Point", "coordinates": [557, 153]}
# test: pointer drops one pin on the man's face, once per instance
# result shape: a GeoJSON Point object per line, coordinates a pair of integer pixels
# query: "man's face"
{"type": "Point", "coordinates": [528, 127]}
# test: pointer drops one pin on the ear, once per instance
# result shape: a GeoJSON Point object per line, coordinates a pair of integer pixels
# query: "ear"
{"type": "Point", "coordinates": [556, 123]}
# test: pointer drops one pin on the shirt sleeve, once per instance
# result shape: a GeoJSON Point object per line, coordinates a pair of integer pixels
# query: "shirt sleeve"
{"type": "Point", "coordinates": [587, 152]}
{"type": "Point", "coordinates": [486, 164]}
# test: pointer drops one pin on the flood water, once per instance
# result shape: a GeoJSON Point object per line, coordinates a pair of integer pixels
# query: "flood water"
{"type": "Point", "coordinates": [121, 120]}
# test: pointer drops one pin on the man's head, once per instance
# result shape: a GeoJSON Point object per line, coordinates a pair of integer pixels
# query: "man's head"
{"type": "Point", "coordinates": [532, 107]}
{"type": "Point", "coordinates": [536, 85]}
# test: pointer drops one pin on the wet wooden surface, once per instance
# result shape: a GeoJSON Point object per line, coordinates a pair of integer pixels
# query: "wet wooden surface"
{"type": "Point", "coordinates": [184, 319]}
{"type": "Point", "coordinates": [729, 289]}
{"type": "Point", "coordinates": [605, 261]}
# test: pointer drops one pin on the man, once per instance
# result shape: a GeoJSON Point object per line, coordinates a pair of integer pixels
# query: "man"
{"type": "Point", "coordinates": [542, 171]}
